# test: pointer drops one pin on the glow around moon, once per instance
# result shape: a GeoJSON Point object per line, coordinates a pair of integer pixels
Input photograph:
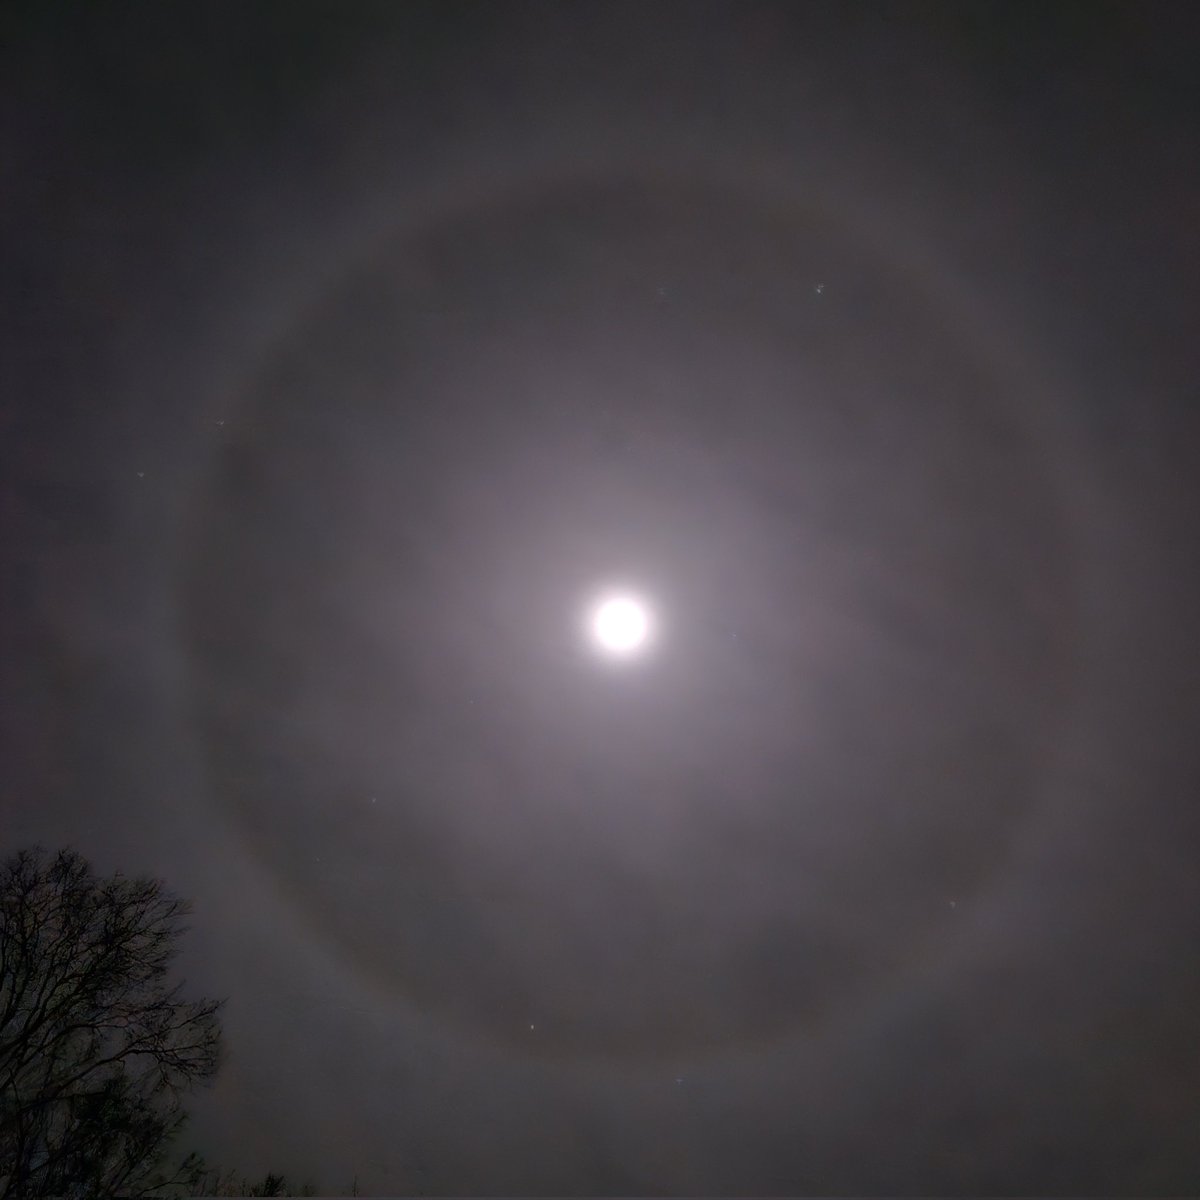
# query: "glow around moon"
{"type": "Point", "coordinates": [620, 625]}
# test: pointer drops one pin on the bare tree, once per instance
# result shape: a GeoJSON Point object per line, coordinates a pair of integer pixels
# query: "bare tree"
{"type": "Point", "coordinates": [97, 1048]}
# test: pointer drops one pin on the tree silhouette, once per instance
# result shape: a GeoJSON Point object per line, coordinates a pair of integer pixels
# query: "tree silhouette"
{"type": "Point", "coordinates": [230, 1183]}
{"type": "Point", "coordinates": [96, 1047]}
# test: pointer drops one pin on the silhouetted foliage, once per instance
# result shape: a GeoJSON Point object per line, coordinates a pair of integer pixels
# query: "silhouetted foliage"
{"type": "Point", "coordinates": [96, 1047]}
{"type": "Point", "coordinates": [230, 1183]}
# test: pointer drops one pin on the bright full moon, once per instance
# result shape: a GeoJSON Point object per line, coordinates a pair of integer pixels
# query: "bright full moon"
{"type": "Point", "coordinates": [620, 625]}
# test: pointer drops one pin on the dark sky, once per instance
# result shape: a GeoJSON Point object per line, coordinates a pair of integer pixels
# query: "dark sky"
{"type": "Point", "coordinates": [347, 350]}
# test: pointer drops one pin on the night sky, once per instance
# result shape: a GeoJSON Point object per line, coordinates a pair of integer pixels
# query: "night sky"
{"type": "Point", "coordinates": [349, 353]}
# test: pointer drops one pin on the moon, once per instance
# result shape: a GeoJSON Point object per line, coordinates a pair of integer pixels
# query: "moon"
{"type": "Point", "coordinates": [620, 625]}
